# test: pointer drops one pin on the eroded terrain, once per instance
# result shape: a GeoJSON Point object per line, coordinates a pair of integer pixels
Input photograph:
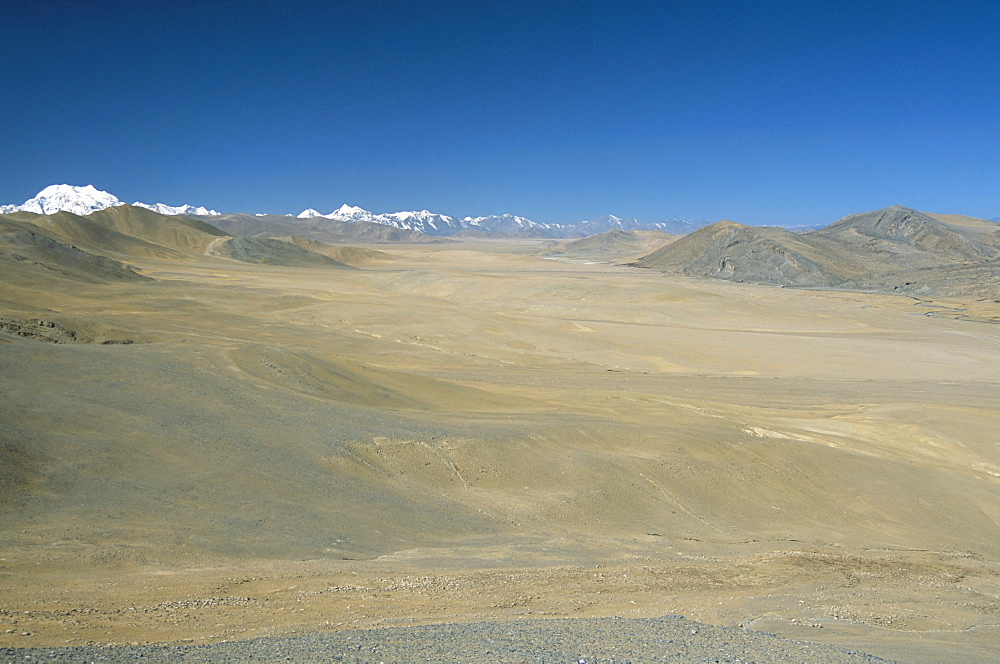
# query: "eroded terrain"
{"type": "Point", "coordinates": [468, 431]}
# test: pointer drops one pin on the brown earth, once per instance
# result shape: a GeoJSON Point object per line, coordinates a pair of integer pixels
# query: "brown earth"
{"type": "Point", "coordinates": [893, 250]}
{"type": "Point", "coordinates": [615, 245]}
{"type": "Point", "coordinates": [467, 431]}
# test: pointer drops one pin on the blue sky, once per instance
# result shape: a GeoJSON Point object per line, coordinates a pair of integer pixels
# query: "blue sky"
{"type": "Point", "coordinates": [760, 112]}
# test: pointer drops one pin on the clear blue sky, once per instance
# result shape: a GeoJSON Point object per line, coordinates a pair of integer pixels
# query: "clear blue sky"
{"type": "Point", "coordinates": [760, 112]}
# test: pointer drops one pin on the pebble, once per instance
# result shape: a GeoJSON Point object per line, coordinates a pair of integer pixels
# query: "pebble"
{"type": "Point", "coordinates": [671, 639]}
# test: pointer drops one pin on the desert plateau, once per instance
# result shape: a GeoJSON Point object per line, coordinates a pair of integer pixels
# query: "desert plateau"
{"type": "Point", "coordinates": [210, 437]}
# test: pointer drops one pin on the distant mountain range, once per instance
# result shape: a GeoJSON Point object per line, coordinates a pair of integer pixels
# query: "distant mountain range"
{"type": "Point", "coordinates": [894, 250]}
{"type": "Point", "coordinates": [504, 225]}
{"type": "Point", "coordinates": [85, 200]}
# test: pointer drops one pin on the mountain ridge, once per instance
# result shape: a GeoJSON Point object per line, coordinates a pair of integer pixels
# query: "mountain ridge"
{"type": "Point", "coordinates": [87, 199]}
{"type": "Point", "coordinates": [894, 249]}
{"type": "Point", "coordinates": [498, 225]}
{"type": "Point", "coordinates": [83, 200]}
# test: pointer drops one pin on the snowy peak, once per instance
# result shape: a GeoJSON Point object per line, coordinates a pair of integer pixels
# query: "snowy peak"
{"type": "Point", "coordinates": [350, 211]}
{"type": "Point", "coordinates": [508, 219]}
{"type": "Point", "coordinates": [610, 221]}
{"type": "Point", "coordinates": [502, 225]}
{"type": "Point", "coordinates": [344, 213]}
{"type": "Point", "coordinates": [172, 211]}
{"type": "Point", "coordinates": [78, 200]}
{"type": "Point", "coordinates": [87, 199]}
{"type": "Point", "coordinates": [424, 221]}
{"type": "Point", "coordinates": [606, 219]}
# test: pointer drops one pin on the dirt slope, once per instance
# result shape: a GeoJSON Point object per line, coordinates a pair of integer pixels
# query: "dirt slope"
{"type": "Point", "coordinates": [891, 250]}
{"type": "Point", "coordinates": [461, 435]}
{"type": "Point", "coordinates": [264, 251]}
{"type": "Point", "coordinates": [613, 245]}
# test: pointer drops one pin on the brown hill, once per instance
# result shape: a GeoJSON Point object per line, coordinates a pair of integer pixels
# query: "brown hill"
{"type": "Point", "coordinates": [613, 245]}
{"type": "Point", "coordinates": [905, 232]}
{"type": "Point", "coordinates": [128, 230]}
{"type": "Point", "coordinates": [266, 251]}
{"type": "Point", "coordinates": [354, 256]}
{"type": "Point", "coordinates": [891, 250]}
{"type": "Point", "coordinates": [99, 237]}
{"type": "Point", "coordinates": [29, 254]}
{"type": "Point", "coordinates": [760, 254]}
{"type": "Point", "coordinates": [323, 230]}
{"type": "Point", "coordinates": [185, 234]}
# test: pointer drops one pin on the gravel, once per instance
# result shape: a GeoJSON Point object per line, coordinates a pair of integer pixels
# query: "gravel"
{"type": "Point", "coordinates": [577, 641]}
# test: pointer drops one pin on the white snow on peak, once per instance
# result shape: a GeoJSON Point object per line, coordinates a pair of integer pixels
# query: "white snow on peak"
{"type": "Point", "coordinates": [424, 216]}
{"type": "Point", "coordinates": [176, 210]}
{"type": "Point", "coordinates": [78, 200]}
{"type": "Point", "coordinates": [351, 213]}
{"type": "Point", "coordinates": [346, 210]}
{"type": "Point", "coordinates": [84, 200]}
{"type": "Point", "coordinates": [344, 213]}
{"type": "Point", "coordinates": [494, 219]}
{"type": "Point", "coordinates": [606, 219]}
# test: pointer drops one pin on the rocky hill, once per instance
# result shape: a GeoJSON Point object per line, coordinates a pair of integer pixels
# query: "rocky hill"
{"type": "Point", "coordinates": [916, 235]}
{"type": "Point", "coordinates": [895, 249]}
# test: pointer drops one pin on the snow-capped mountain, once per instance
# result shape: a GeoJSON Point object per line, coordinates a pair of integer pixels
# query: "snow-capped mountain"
{"type": "Point", "coordinates": [84, 200]}
{"type": "Point", "coordinates": [343, 213]}
{"type": "Point", "coordinates": [606, 223]}
{"type": "Point", "coordinates": [423, 221]}
{"type": "Point", "coordinates": [431, 223]}
{"type": "Point", "coordinates": [503, 225]}
{"type": "Point", "coordinates": [510, 224]}
{"type": "Point", "coordinates": [178, 210]}
{"type": "Point", "coordinates": [494, 219]}
{"type": "Point", "coordinates": [57, 197]}
{"type": "Point", "coordinates": [610, 221]}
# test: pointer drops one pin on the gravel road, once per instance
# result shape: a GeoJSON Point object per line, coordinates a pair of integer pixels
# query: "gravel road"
{"type": "Point", "coordinates": [591, 640]}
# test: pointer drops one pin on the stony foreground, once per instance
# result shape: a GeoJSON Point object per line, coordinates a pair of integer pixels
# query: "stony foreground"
{"type": "Point", "coordinates": [667, 639]}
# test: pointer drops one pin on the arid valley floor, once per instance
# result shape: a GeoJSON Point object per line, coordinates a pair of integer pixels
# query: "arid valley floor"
{"type": "Point", "coordinates": [469, 431]}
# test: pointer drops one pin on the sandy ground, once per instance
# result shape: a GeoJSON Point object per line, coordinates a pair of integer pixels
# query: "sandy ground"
{"type": "Point", "coordinates": [471, 432]}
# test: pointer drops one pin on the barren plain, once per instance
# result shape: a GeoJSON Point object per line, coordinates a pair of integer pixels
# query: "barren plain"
{"type": "Point", "coordinates": [467, 431]}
